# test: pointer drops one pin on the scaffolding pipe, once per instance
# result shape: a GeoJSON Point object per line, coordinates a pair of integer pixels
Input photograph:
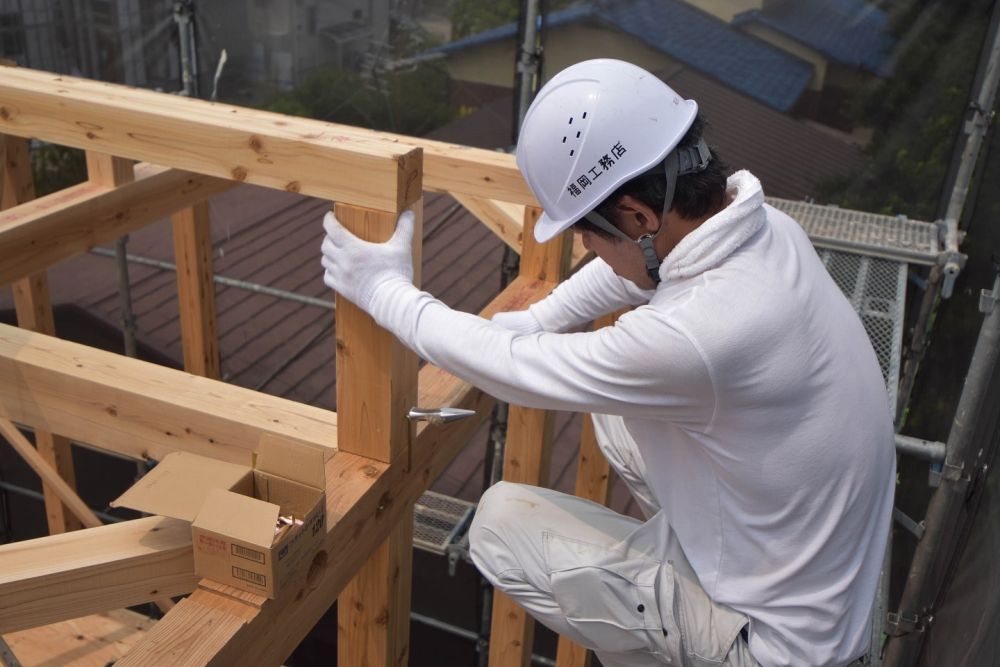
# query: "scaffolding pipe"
{"type": "Point", "coordinates": [228, 282]}
{"type": "Point", "coordinates": [922, 449]}
{"type": "Point", "coordinates": [184, 17]}
{"type": "Point", "coordinates": [935, 548]}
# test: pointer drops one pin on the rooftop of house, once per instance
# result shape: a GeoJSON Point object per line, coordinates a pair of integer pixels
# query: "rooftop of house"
{"type": "Point", "coordinates": [851, 32]}
{"type": "Point", "coordinates": [690, 36]}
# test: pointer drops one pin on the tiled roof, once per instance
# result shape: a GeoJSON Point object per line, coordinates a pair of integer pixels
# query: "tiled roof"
{"type": "Point", "coordinates": [690, 36]}
{"type": "Point", "coordinates": [852, 32]}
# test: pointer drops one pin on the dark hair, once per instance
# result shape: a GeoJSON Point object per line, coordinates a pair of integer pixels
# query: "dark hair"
{"type": "Point", "coordinates": [694, 197]}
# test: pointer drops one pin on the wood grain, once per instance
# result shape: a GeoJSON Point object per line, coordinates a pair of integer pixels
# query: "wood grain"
{"type": "Point", "coordinates": [246, 145]}
{"type": "Point", "coordinates": [196, 290]}
{"type": "Point", "coordinates": [87, 571]}
{"type": "Point", "coordinates": [141, 409]}
{"type": "Point", "coordinates": [89, 641]}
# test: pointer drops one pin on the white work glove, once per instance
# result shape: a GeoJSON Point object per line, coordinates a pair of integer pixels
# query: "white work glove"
{"type": "Point", "coordinates": [356, 268]}
{"type": "Point", "coordinates": [518, 321]}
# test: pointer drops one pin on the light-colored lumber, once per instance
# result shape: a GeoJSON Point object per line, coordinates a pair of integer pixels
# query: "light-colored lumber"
{"type": "Point", "coordinates": [141, 409]}
{"type": "Point", "coordinates": [34, 312]}
{"type": "Point", "coordinates": [376, 387]}
{"type": "Point", "coordinates": [108, 170]}
{"type": "Point", "coordinates": [527, 452]}
{"type": "Point", "coordinates": [90, 641]}
{"type": "Point", "coordinates": [36, 235]}
{"type": "Point", "coordinates": [87, 571]}
{"type": "Point", "coordinates": [50, 478]}
{"type": "Point", "coordinates": [196, 290]}
{"type": "Point", "coordinates": [247, 145]}
{"type": "Point", "coordinates": [365, 500]}
{"type": "Point", "coordinates": [503, 219]}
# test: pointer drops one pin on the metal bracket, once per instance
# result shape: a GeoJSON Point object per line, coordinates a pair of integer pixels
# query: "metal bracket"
{"type": "Point", "coordinates": [904, 623]}
{"type": "Point", "coordinates": [988, 299]}
{"type": "Point", "coordinates": [438, 415]}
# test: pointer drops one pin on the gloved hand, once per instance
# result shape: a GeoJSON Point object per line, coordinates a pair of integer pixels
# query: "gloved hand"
{"type": "Point", "coordinates": [519, 321]}
{"type": "Point", "coordinates": [356, 268]}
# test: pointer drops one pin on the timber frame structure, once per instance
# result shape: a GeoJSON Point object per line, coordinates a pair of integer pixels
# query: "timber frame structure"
{"type": "Point", "coordinates": [152, 155]}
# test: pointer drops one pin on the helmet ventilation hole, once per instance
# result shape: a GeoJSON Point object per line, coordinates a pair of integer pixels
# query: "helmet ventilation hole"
{"type": "Point", "coordinates": [577, 135]}
{"type": "Point", "coordinates": [570, 120]}
{"type": "Point", "coordinates": [584, 115]}
{"type": "Point", "coordinates": [571, 153]}
{"type": "Point", "coordinates": [564, 139]}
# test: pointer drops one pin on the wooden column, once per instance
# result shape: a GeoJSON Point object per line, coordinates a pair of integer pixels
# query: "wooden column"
{"type": "Point", "coordinates": [196, 290]}
{"type": "Point", "coordinates": [527, 452]}
{"type": "Point", "coordinates": [34, 311]}
{"type": "Point", "coordinates": [593, 482]}
{"type": "Point", "coordinates": [376, 387]}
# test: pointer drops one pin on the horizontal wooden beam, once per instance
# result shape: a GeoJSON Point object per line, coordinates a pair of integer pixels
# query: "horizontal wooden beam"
{"type": "Point", "coordinates": [365, 499]}
{"type": "Point", "coordinates": [89, 641]}
{"type": "Point", "coordinates": [40, 233]}
{"type": "Point", "coordinates": [88, 571]}
{"type": "Point", "coordinates": [300, 155]}
{"type": "Point", "coordinates": [141, 409]}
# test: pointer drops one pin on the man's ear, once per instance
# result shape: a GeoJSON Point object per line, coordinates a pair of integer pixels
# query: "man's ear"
{"type": "Point", "coordinates": [636, 216]}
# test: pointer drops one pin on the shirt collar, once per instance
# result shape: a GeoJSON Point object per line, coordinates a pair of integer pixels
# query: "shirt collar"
{"type": "Point", "coordinates": [719, 236]}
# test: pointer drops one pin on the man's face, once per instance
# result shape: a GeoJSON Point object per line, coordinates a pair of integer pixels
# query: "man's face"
{"type": "Point", "coordinates": [624, 257]}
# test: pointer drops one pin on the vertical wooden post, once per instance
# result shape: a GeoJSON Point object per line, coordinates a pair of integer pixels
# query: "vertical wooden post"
{"type": "Point", "coordinates": [196, 290]}
{"type": "Point", "coordinates": [376, 387]}
{"type": "Point", "coordinates": [593, 482]}
{"type": "Point", "coordinates": [527, 452]}
{"type": "Point", "coordinates": [34, 311]}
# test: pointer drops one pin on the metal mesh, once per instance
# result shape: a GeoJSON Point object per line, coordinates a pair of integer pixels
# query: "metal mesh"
{"type": "Point", "coordinates": [438, 520]}
{"type": "Point", "coordinates": [876, 288]}
{"type": "Point", "coordinates": [865, 233]}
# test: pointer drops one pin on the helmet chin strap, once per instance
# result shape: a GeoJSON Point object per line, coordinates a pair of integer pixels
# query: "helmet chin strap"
{"type": "Point", "coordinates": [670, 168]}
{"type": "Point", "coordinates": [678, 162]}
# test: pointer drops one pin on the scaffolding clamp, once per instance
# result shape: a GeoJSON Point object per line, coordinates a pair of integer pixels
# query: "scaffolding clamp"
{"type": "Point", "coordinates": [906, 622]}
{"type": "Point", "coordinates": [988, 298]}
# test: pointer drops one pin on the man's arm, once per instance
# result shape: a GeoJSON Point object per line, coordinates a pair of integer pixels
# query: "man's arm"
{"type": "Point", "coordinates": [591, 292]}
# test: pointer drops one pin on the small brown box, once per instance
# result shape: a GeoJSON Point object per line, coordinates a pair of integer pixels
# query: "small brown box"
{"type": "Point", "coordinates": [234, 509]}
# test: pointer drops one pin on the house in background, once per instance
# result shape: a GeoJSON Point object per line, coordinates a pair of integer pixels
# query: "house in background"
{"type": "Point", "coordinates": [654, 34]}
{"type": "Point", "coordinates": [123, 41]}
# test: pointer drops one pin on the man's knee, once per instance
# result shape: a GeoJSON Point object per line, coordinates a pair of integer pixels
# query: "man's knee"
{"type": "Point", "coordinates": [490, 543]}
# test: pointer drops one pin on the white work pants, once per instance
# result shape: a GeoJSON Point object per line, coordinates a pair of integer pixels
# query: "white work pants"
{"type": "Point", "coordinates": [619, 586]}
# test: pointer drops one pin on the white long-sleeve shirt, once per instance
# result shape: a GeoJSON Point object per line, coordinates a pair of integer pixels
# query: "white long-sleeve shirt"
{"type": "Point", "coordinates": [756, 401]}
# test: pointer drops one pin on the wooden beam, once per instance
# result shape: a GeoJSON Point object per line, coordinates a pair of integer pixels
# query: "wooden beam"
{"type": "Point", "coordinates": [527, 452]}
{"type": "Point", "coordinates": [34, 312]}
{"type": "Point", "coordinates": [90, 641]}
{"type": "Point", "coordinates": [141, 409]}
{"type": "Point", "coordinates": [240, 144]}
{"type": "Point", "coordinates": [196, 290]}
{"type": "Point", "coordinates": [50, 478]}
{"type": "Point", "coordinates": [503, 219]}
{"type": "Point", "coordinates": [376, 387]}
{"type": "Point", "coordinates": [365, 500]}
{"type": "Point", "coordinates": [64, 576]}
{"type": "Point", "coordinates": [38, 234]}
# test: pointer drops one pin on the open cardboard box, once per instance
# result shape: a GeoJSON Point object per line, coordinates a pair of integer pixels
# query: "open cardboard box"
{"type": "Point", "coordinates": [234, 509]}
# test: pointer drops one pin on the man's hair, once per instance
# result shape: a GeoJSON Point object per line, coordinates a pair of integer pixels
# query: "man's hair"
{"type": "Point", "coordinates": [694, 197]}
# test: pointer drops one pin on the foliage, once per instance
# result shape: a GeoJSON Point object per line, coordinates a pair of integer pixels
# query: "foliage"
{"type": "Point", "coordinates": [56, 167]}
{"type": "Point", "coordinates": [411, 102]}
{"type": "Point", "coordinates": [469, 17]}
{"type": "Point", "coordinates": [917, 115]}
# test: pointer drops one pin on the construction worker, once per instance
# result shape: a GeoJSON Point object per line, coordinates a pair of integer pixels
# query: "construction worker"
{"type": "Point", "coordinates": [741, 400]}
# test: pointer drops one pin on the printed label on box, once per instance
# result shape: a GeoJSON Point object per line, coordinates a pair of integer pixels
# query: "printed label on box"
{"type": "Point", "coordinates": [252, 577]}
{"type": "Point", "coordinates": [211, 545]}
{"type": "Point", "coordinates": [248, 554]}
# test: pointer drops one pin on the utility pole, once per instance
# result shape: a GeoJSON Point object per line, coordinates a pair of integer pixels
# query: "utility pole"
{"type": "Point", "coordinates": [184, 18]}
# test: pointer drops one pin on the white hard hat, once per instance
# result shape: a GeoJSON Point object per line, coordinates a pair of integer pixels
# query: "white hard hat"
{"type": "Point", "coordinates": [594, 126]}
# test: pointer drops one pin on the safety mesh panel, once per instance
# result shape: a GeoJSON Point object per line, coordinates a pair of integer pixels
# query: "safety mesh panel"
{"type": "Point", "coordinates": [876, 288]}
{"type": "Point", "coordinates": [861, 232]}
{"type": "Point", "coordinates": [437, 521]}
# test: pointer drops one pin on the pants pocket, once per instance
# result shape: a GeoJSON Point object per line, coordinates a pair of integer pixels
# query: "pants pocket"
{"type": "Point", "coordinates": [708, 630]}
{"type": "Point", "coordinates": [607, 593]}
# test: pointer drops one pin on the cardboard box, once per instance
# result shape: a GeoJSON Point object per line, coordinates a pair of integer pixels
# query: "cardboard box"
{"type": "Point", "coordinates": [234, 509]}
